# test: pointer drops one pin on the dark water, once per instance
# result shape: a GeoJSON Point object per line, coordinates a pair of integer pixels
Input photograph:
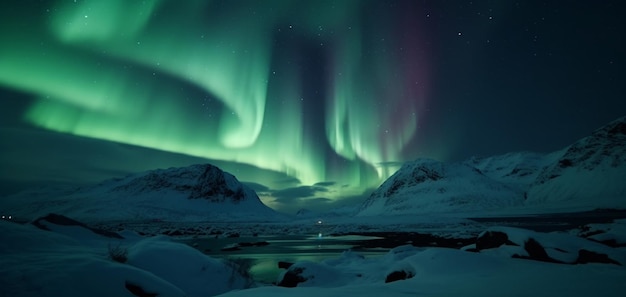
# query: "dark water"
{"type": "Point", "coordinates": [263, 260]}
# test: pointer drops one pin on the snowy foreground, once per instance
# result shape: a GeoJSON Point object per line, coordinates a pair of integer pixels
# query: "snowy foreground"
{"type": "Point", "coordinates": [75, 261]}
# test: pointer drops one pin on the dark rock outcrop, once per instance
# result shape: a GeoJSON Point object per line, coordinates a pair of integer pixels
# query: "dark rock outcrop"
{"type": "Point", "coordinates": [398, 275]}
{"type": "Point", "coordinates": [212, 183]}
{"type": "Point", "coordinates": [585, 256]}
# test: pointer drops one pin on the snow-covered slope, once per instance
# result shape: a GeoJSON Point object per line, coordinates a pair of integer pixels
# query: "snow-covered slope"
{"type": "Point", "coordinates": [520, 168]}
{"type": "Point", "coordinates": [73, 261]}
{"type": "Point", "coordinates": [589, 173]}
{"type": "Point", "coordinates": [195, 193]}
{"type": "Point", "coordinates": [427, 186]}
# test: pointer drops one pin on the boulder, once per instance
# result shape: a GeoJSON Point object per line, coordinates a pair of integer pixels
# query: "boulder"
{"type": "Point", "coordinates": [292, 278]}
{"type": "Point", "coordinates": [585, 256]}
{"type": "Point", "coordinates": [536, 251]}
{"type": "Point", "coordinates": [492, 239]}
{"type": "Point", "coordinates": [284, 264]}
{"type": "Point", "coordinates": [398, 275]}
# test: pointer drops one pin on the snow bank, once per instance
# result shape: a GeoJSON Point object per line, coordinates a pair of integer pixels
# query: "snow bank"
{"type": "Point", "coordinates": [185, 267]}
{"type": "Point", "coordinates": [40, 263]}
{"type": "Point", "coordinates": [73, 261]}
{"type": "Point", "coordinates": [450, 272]}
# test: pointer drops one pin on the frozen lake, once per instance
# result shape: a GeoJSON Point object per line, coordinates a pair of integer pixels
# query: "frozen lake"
{"type": "Point", "coordinates": [263, 260]}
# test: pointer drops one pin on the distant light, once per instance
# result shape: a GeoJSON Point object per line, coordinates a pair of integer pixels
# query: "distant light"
{"type": "Point", "coordinates": [2, 217]}
{"type": "Point", "coordinates": [319, 235]}
{"type": "Point", "coordinates": [10, 217]}
{"type": "Point", "coordinates": [319, 222]}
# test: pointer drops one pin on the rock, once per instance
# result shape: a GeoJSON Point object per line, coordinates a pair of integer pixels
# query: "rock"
{"type": "Point", "coordinates": [137, 290]}
{"type": "Point", "coordinates": [212, 185]}
{"type": "Point", "coordinates": [585, 256]}
{"type": "Point", "coordinates": [492, 239]}
{"type": "Point", "coordinates": [292, 278]}
{"type": "Point", "coordinates": [398, 275]}
{"type": "Point", "coordinates": [536, 251]}
{"type": "Point", "coordinates": [547, 247]}
{"type": "Point", "coordinates": [609, 242]}
{"type": "Point", "coordinates": [284, 264]}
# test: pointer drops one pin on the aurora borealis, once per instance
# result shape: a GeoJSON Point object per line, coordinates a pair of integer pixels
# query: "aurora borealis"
{"type": "Point", "coordinates": [336, 93]}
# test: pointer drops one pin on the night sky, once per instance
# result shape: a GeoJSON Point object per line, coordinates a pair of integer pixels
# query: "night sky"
{"type": "Point", "coordinates": [312, 103]}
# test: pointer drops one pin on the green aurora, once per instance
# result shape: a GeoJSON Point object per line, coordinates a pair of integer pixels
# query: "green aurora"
{"type": "Point", "coordinates": [121, 71]}
{"type": "Point", "coordinates": [313, 103]}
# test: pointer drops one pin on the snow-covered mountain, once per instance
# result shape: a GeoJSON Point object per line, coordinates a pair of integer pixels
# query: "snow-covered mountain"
{"type": "Point", "coordinates": [425, 186]}
{"type": "Point", "coordinates": [589, 173]}
{"type": "Point", "coordinates": [195, 193]}
{"type": "Point", "coordinates": [586, 175]}
{"type": "Point", "coordinates": [520, 168]}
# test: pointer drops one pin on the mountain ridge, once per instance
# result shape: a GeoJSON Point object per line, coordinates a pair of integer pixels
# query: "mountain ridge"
{"type": "Point", "coordinates": [587, 174]}
{"type": "Point", "coordinates": [201, 192]}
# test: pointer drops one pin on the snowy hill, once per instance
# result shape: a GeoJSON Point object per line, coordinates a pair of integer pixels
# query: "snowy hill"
{"type": "Point", "coordinates": [589, 173]}
{"type": "Point", "coordinates": [194, 193]}
{"type": "Point", "coordinates": [427, 186]}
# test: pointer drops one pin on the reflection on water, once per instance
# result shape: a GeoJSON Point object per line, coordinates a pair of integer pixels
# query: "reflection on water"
{"type": "Point", "coordinates": [290, 248]}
